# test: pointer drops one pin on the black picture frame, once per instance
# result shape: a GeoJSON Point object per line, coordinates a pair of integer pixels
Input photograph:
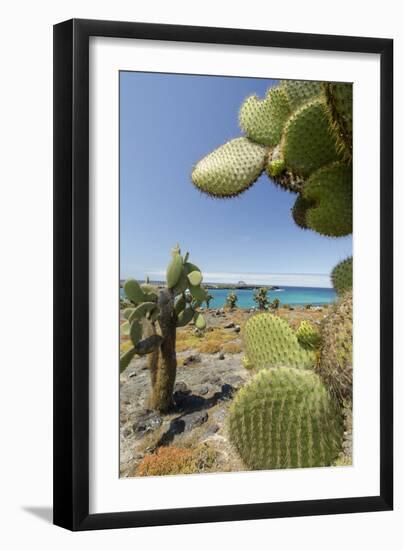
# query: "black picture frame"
{"type": "Point", "coordinates": [71, 274]}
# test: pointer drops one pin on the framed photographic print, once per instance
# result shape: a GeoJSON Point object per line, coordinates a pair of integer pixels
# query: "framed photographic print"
{"type": "Point", "coordinates": [223, 274]}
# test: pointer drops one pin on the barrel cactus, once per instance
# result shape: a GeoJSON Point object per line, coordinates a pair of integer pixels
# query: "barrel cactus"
{"type": "Point", "coordinates": [342, 276]}
{"type": "Point", "coordinates": [153, 318]}
{"type": "Point", "coordinates": [285, 418]}
{"type": "Point", "coordinates": [336, 353]}
{"type": "Point", "coordinates": [271, 342]}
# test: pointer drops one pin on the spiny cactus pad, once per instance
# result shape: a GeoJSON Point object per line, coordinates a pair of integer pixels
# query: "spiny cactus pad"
{"type": "Point", "coordinates": [300, 91]}
{"type": "Point", "coordinates": [339, 100]}
{"type": "Point", "coordinates": [308, 336]}
{"type": "Point", "coordinates": [285, 418]}
{"type": "Point", "coordinates": [336, 357]}
{"type": "Point", "coordinates": [271, 342]}
{"type": "Point", "coordinates": [230, 169]}
{"type": "Point", "coordinates": [299, 210]}
{"type": "Point", "coordinates": [263, 120]}
{"type": "Point", "coordinates": [331, 190]}
{"type": "Point", "coordinates": [308, 141]}
{"type": "Point", "coordinates": [342, 276]}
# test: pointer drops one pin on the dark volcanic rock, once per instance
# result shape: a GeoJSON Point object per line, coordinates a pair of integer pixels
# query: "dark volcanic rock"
{"type": "Point", "coordinates": [146, 421]}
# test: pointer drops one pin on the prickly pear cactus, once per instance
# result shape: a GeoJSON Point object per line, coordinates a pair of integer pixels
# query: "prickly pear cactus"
{"type": "Point", "coordinates": [342, 276]}
{"type": "Point", "coordinates": [308, 336]}
{"type": "Point", "coordinates": [152, 320]}
{"type": "Point", "coordinates": [336, 354]}
{"type": "Point", "coordinates": [285, 418]}
{"type": "Point", "coordinates": [271, 342]}
{"type": "Point", "coordinates": [263, 120]}
{"type": "Point", "coordinates": [230, 169]}
{"type": "Point", "coordinates": [330, 190]}
{"type": "Point", "coordinates": [339, 100]}
{"type": "Point", "coordinates": [308, 141]}
{"type": "Point", "coordinates": [300, 91]}
{"type": "Point", "coordinates": [299, 210]}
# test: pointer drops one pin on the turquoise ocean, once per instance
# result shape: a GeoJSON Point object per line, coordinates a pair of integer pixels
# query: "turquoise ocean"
{"type": "Point", "coordinates": [291, 295]}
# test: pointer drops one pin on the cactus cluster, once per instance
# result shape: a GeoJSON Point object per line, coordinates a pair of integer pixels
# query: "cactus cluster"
{"type": "Point", "coordinates": [342, 276]}
{"type": "Point", "coordinates": [335, 365]}
{"type": "Point", "coordinates": [153, 317]}
{"type": "Point", "coordinates": [271, 342]}
{"type": "Point", "coordinates": [285, 418]}
{"type": "Point", "coordinates": [261, 298]}
{"type": "Point", "coordinates": [301, 134]}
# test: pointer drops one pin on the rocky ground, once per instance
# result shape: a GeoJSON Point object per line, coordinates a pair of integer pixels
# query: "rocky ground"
{"type": "Point", "coordinates": [210, 372]}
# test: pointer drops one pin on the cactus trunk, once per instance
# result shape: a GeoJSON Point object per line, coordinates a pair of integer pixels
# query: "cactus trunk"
{"type": "Point", "coordinates": [162, 363]}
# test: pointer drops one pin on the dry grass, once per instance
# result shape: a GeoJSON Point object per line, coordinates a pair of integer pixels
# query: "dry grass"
{"type": "Point", "coordinates": [232, 347]}
{"type": "Point", "coordinates": [211, 342]}
{"type": "Point", "coordinates": [177, 460]}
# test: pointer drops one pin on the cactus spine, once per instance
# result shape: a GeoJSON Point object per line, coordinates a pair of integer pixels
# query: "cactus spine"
{"type": "Point", "coordinates": [285, 418]}
{"type": "Point", "coordinates": [153, 319]}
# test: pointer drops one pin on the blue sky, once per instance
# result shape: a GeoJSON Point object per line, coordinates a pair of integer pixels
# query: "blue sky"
{"type": "Point", "coordinates": [167, 123]}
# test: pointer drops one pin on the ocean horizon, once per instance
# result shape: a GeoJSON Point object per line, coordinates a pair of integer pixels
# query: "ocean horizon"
{"type": "Point", "coordinates": [290, 295]}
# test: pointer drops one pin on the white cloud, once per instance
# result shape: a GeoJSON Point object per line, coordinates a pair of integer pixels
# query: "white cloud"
{"type": "Point", "coordinates": [286, 279]}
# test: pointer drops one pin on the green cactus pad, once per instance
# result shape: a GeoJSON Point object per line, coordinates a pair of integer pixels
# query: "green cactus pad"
{"type": "Point", "coordinates": [200, 321]}
{"type": "Point", "coordinates": [275, 167]}
{"type": "Point", "coordinates": [300, 91]}
{"type": "Point", "coordinates": [125, 359]}
{"type": "Point", "coordinates": [133, 291]}
{"type": "Point", "coordinates": [230, 169]}
{"type": "Point", "coordinates": [308, 141]}
{"type": "Point", "coordinates": [141, 311]}
{"type": "Point", "coordinates": [127, 312]}
{"type": "Point", "coordinates": [136, 331]}
{"type": "Point", "coordinates": [336, 357]}
{"type": "Point", "coordinates": [150, 292]}
{"type": "Point", "coordinates": [331, 190]}
{"type": "Point", "coordinates": [195, 278]}
{"type": "Point", "coordinates": [125, 328]}
{"type": "Point", "coordinates": [339, 100]}
{"type": "Point", "coordinates": [271, 342]}
{"type": "Point", "coordinates": [263, 120]}
{"type": "Point", "coordinates": [342, 276]}
{"type": "Point", "coordinates": [174, 270]}
{"type": "Point", "coordinates": [299, 210]}
{"type": "Point", "coordinates": [198, 292]}
{"type": "Point", "coordinates": [185, 317]}
{"type": "Point", "coordinates": [180, 304]}
{"type": "Point", "coordinates": [285, 418]}
{"type": "Point", "coordinates": [308, 336]}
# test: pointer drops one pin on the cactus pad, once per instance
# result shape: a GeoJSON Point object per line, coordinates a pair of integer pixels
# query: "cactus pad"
{"type": "Point", "coordinates": [285, 418]}
{"type": "Point", "coordinates": [308, 336]}
{"type": "Point", "coordinates": [300, 91]}
{"type": "Point", "coordinates": [299, 211]}
{"type": "Point", "coordinates": [339, 100]}
{"type": "Point", "coordinates": [336, 358]}
{"type": "Point", "coordinates": [230, 169]}
{"type": "Point", "coordinates": [271, 342]}
{"type": "Point", "coordinates": [342, 276]}
{"type": "Point", "coordinates": [308, 141]}
{"type": "Point", "coordinates": [263, 120]}
{"type": "Point", "coordinates": [330, 189]}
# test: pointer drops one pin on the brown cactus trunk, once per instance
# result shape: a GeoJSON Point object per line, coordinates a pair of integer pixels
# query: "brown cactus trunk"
{"type": "Point", "coordinates": [163, 363]}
